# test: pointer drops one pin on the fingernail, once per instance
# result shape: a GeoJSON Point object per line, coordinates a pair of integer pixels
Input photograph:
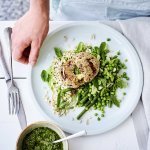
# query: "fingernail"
{"type": "Point", "coordinates": [32, 63]}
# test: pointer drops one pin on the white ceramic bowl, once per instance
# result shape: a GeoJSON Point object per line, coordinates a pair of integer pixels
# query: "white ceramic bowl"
{"type": "Point", "coordinates": [50, 125]}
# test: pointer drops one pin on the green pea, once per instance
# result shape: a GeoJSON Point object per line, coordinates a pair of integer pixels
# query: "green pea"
{"type": "Point", "coordinates": [102, 115]}
{"type": "Point", "coordinates": [98, 118]}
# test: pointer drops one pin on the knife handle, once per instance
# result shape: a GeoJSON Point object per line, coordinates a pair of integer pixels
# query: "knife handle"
{"type": "Point", "coordinates": [3, 65]}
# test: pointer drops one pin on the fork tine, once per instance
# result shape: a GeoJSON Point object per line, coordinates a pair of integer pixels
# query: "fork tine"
{"type": "Point", "coordinates": [13, 102]}
{"type": "Point", "coordinates": [9, 103]}
{"type": "Point", "coordinates": [10, 100]}
{"type": "Point", "coordinates": [18, 102]}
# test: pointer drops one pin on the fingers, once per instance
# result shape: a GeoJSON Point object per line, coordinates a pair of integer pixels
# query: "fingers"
{"type": "Point", "coordinates": [18, 52]}
{"type": "Point", "coordinates": [18, 49]}
{"type": "Point", "coordinates": [34, 53]}
{"type": "Point", "coordinates": [25, 55]}
{"type": "Point", "coordinates": [25, 51]}
{"type": "Point", "coordinates": [23, 60]}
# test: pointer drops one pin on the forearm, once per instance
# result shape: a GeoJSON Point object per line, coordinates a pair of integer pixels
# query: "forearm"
{"type": "Point", "coordinates": [40, 6]}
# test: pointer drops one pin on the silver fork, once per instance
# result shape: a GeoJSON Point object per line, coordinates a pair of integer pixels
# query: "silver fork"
{"type": "Point", "coordinates": [14, 100]}
{"type": "Point", "coordinates": [13, 91]}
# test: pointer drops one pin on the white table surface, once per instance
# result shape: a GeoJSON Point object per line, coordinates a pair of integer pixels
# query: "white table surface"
{"type": "Point", "coordinates": [121, 138]}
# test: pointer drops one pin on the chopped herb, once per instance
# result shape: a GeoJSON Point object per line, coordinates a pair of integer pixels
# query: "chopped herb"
{"type": "Point", "coordinates": [80, 48]}
{"type": "Point", "coordinates": [41, 138]}
{"type": "Point", "coordinates": [45, 76]}
{"type": "Point", "coordinates": [65, 37]}
{"type": "Point", "coordinates": [99, 119]}
{"type": "Point", "coordinates": [58, 52]}
{"type": "Point", "coordinates": [103, 50]}
{"type": "Point", "coordinates": [124, 93]}
{"type": "Point", "coordinates": [118, 53]}
{"type": "Point", "coordinates": [102, 115]}
{"type": "Point", "coordinates": [76, 70]}
{"type": "Point", "coordinates": [108, 39]}
{"type": "Point", "coordinates": [115, 101]}
{"type": "Point", "coordinates": [96, 114]}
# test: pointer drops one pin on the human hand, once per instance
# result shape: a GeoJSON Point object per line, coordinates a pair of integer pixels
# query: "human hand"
{"type": "Point", "coordinates": [28, 35]}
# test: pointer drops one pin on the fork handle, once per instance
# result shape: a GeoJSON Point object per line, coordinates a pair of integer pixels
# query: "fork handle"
{"type": "Point", "coordinates": [7, 33]}
{"type": "Point", "coordinates": [3, 65]}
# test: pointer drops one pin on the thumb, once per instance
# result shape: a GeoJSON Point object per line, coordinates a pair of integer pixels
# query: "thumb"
{"type": "Point", "coordinates": [34, 53]}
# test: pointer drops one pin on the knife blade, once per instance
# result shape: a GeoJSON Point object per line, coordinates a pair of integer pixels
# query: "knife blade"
{"type": "Point", "coordinates": [21, 114]}
{"type": "Point", "coordinates": [141, 126]}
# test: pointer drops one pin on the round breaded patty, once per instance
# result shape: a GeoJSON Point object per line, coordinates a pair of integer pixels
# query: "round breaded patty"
{"type": "Point", "coordinates": [88, 68]}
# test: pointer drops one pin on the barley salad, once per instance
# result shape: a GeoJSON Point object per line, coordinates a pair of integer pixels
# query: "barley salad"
{"type": "Point", "coordinates": [87, 76]}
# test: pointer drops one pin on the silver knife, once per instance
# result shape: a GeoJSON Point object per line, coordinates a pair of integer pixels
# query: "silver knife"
{"type": "Point", "coordinates": [141, 126]}
{"type": "Point", "coordinates": [21, 114]}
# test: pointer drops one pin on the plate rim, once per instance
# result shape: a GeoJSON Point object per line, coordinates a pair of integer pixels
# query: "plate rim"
{"type": "Point", "coordinates": [141, 72]}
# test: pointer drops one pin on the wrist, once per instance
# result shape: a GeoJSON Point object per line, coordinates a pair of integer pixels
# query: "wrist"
{"type": "Point", "coordinates": [40, 7]}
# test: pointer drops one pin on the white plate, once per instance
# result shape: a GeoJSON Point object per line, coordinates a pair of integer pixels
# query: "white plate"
{"type": "Point", "coordinates": [75, 33]}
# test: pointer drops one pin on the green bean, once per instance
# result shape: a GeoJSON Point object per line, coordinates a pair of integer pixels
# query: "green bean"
{"type": "Point", "coordinates": [84, 99]}
{"type": "Point", "coordinates": [82, 113]}
{"type": "Point", "coordinates": [58, 99]}
{"type": "Point", "coordinates": [86, 104]}
{"type": "Point", "coordinates": [84, 95]}
{"type": "Point", "coordinates": [78, 97]}
{"type": "Point", "coordinates": [86, 109]}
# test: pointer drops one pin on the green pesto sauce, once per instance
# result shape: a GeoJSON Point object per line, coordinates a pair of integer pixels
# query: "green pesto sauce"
{"type": "Point", "coordinates": [41, 139]}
